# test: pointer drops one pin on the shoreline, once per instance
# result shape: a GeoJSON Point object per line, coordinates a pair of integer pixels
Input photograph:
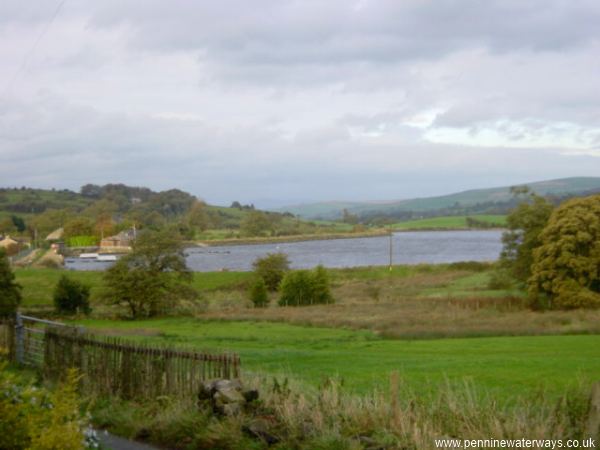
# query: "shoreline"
{"type": "Point", "coordinates": [320, 237]}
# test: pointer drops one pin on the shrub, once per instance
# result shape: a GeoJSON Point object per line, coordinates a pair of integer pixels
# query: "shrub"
{"type": "Point", "coordinates": [272, 268]}
{"type": "Point", "coordinates": [499, 280]}
{"type": "Point", "coordinates": [305, 287]}
{"type": "Point", "coordinates": [10, 292]}
{"type": "Point", "coordinates": [38, 419]}
{"type": "Point", "coordinates": [259, 294]}
{"type": "Point", "coordinates": [71, 296]}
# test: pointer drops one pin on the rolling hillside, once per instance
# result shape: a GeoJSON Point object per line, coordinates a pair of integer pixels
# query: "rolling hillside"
{"type": "Point", "coordinates": [470, 198]}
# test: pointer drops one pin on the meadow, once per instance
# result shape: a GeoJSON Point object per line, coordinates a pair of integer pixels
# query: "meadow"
{"type": "Point", "coordinates": [402, 358]}
{"type": "Point", "coordinates": [362, 361]}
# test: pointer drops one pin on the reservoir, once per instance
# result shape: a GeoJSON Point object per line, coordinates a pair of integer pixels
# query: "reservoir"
{"type": "Point", "coordinates": [407, 248]}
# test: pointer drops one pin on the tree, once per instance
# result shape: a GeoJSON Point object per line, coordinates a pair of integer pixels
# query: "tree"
{"type": "Point", "coordinates": [10, 291]}
{"type": "Point", "coordinates": [78, 226]}
{"type": "Point", "coordinates": [71, 296]}
{"type": "Point", "coordinates": [525, 224]}
{"type": "Point", "coordinates": [305, 287]}
{"type": "Point", "coordinates": [256, 223]}
{"type": "Point", "coordinates": [272, 268]}
{"type": "Point", "coordinates": [566, 266]}
{"type": "Point", "coordinates": [197, 217]}
{"type": "Point", "coordinates": [259, 294]}
{"type": "Point", "coordinates": [153, 277]}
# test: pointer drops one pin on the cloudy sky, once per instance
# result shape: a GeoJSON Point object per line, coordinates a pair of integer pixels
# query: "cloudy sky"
{"type": "Point", "coordinates": [279, 101]}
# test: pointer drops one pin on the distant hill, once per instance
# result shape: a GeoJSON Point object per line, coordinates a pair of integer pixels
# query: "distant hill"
{"type": "Point", "coordinates": [476, 201]}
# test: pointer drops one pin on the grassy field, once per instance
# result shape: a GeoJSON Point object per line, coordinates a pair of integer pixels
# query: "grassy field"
{"type": "Point", "coordinates": [506, 366]}
{"type": "Point", "coordinates": [448, 222]}
{"type": "Point", "coordinates": [424, 301]}
{"type": "Point", "coordinates": [38, 284]}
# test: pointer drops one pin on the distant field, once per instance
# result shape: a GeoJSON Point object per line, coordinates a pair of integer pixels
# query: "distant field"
{"type": "Point", "coordinates": [38, 284]}
{"type": "Point", "coordinates": [508, 366]}
{"type": "Point", "coordinates": [449, 222]}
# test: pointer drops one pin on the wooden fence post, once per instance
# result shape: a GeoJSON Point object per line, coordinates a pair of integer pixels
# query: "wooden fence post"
{"type": "Point", "coordinates": [20, 339]}
{"type": "Point", "coordinates": [593, 422]}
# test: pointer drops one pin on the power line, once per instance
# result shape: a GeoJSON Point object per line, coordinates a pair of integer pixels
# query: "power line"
{"type": "Point", "coordinates": [33, 48]}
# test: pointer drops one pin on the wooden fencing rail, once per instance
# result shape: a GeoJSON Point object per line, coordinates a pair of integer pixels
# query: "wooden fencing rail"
{"type": "Point", "coordinates": [113, 366]}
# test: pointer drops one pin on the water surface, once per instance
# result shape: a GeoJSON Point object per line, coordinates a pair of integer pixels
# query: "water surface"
{"type": "Point", "coordinates": [407, 248]}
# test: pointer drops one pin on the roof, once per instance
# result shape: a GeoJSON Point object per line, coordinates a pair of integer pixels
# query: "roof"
{"type": "Point", "coordinates": [7, 241]}
{"type": "Point", "coordinates": [55, 235]}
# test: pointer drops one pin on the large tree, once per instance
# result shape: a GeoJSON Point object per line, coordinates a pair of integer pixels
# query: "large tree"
{"type": "Point", "coordinates": [566, 266]}
{"type": "Point", "coordinates": [153, 277]}
{"type": "Point", "coordinates": [10, 291]}
{"type": "Point", "coordinates": [524, 223]}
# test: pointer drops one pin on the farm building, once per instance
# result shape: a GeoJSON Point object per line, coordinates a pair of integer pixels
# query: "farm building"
{"type": "Point", "coordinates": [121, 240]}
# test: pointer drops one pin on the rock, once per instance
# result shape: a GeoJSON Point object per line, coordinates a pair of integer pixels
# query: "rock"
{"type": "Point", "coordinates": [229, 395]}
{"type": "Point", "coordinates": [226, 397]}
{"type": "Point", "coordinates": [250, 395]}
{"type": "Point", "coordinates": [260, 428]}
{"type": "Point", "coordinates": [231, 409]}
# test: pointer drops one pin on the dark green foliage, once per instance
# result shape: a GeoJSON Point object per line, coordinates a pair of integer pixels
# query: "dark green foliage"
{"type": "Point", "coordinates": [305, 287]}
{"type": "Point", "coordinates": [566, 266]}
{"type": "Point", "coordinates": [525, 223]}
{"type": "Point", "coordinates": [259, 294]}
{"type": "Point", "coordinates": [71, 296]}
{"type": "Point", "coordinates": [153, 277]}
{"type": "Point", "coordinates": [272, 268]}
{"type": "Point", "coordinates": [10, 292]}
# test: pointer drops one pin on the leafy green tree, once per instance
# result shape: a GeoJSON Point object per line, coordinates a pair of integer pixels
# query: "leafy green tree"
{"type": "Point", "coordinates": [258, 293]}
{"type": "Point", "coordinates": [78, 226]}
{"type": "Point", "coordinates": [272, 268]}
{"type": "Point", "coordinates": [525, 224]}
{"type": "Point", "coordinates": [197, 217]}
{"type": "Point", "coordinates": [10, 291]}
{"type": "Point", "coordinates": [566, 266]}
{"type": "Point", "coordinates": [71, 296]}
{"type": "Point", "coordinates": [256, 223]}
{"type": "Point", "coordinates": [153, 277]}
{"type": "Point", "coordinates": [321, 286]}
{"type": "Point", "coordinates": [305, 287]}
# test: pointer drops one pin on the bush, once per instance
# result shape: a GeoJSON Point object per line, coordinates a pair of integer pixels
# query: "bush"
{"type": "Point", "coordinates": [259, 294]}
{"type": "Point", "coordinates": [71, 296]}
{"type": "Point", "coordinates": [500, 280]}
{"type": "Point", "coordinates": [305, 287]}
{"type": "Point", "coordinates": [34, 418]}
{"type": "Point", "coordinates": [10, 292]}
{"type": "Point", "coordinates": [566, 266]}
{"type": "Point", "coordinates": [272, 268]}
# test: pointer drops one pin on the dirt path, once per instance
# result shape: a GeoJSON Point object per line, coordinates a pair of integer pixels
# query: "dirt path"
{"type": "Point", "coordinates": [112, 442]}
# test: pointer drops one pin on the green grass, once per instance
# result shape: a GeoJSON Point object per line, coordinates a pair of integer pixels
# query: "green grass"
{"type": "Point", "coordinates": [448, 222]}
{"type": "Point", "coordinates": [38, 284]}
{"type": "Point", "coordinates": [505, 365]}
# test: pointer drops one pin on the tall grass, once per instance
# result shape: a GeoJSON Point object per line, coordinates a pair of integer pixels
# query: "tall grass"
{"type": "Point", "coordinates": [329, 418]}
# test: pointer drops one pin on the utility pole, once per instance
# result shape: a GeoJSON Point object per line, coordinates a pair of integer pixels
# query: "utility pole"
{"type": "Point", "coordinates": [391, 248]}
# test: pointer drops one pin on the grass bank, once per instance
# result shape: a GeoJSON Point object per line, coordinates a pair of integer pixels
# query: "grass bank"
{"type": "Point", "coordinates": [362, 360]}
{"type": "Point", "coordinates": [450, 223]}
{"type": "Point", "coordinates": [293, 238]}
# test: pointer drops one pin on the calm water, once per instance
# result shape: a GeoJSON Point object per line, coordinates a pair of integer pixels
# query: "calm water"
{"type": "Point", "coordinates": [408, 248]}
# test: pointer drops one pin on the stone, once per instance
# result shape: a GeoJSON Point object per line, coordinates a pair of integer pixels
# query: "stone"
{"type": "Point", "coordinates": [229, 395]}
{"type": "Point", "coordinates": [250, 395]}
{"type": "Point", "coordinates": [261, 429]}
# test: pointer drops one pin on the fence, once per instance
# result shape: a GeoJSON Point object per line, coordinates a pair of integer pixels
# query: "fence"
{"type": "Point", "coordinates": [112, 366]}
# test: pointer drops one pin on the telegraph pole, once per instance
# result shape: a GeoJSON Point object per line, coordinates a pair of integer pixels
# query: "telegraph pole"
{"type": "Point", "coordinates": [391, 248]}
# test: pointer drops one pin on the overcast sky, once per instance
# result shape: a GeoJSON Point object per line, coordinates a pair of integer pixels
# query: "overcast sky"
{"type": "Point", "coordinates": [277, 102]}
